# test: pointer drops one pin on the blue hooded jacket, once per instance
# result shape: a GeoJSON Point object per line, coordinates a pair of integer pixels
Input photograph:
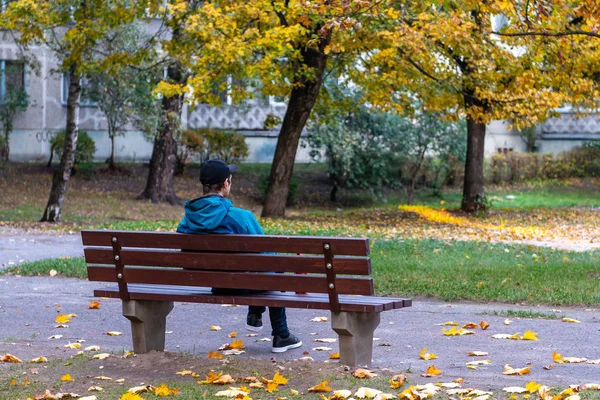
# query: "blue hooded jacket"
{"type": "Point", "coordinates": [215, 214]}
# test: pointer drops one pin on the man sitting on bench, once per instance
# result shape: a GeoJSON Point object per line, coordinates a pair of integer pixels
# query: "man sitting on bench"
{"type": "Point", "coordinates": [213, 213]}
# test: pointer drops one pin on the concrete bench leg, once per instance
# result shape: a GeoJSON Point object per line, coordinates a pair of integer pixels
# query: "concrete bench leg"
{"type": "Point", "coordinates": [148, 323]}
{"type": "Point", "coordinates": [355, 330]}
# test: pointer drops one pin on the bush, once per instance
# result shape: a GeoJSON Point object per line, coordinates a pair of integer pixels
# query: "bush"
{"type": "Point", "coordinates": [514, 168]}
{"type": "Point", "coordinates": [84, 152]}
{"type": "Point", "coordinates": [207, 143]}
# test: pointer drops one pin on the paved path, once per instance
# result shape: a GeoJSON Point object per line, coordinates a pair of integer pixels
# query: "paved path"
{"type": "Point", "coordinates": [28, 307]}
{"type": "Point", "coordinates": [17, 246]}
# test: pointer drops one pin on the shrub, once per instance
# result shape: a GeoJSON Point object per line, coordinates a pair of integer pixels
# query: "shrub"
{"type": "Point", "coordinates": [514, 168]}
{"type": "Point", "coordinates": [84, 152]}
{"type": "Point", "coordinates": [207, 143]}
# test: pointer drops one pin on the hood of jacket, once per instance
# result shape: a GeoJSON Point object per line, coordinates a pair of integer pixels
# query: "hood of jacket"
{"type": "Point", "coordinates": [205, 213]}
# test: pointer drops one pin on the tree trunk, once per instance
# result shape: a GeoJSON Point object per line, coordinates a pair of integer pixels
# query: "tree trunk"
{"type": "Point", "coordinates": [410, 191]}
{"type": "Point", "coordinates": [51, 156]}
{"type": "Point", "coordinates": [302, 99]}
{"type": "Point", "coordinates": [61, 176]}
{"type": "Point", "coordinates": [111, 160]}
{"type": "Point", "coordinates": [6, 150]}
{"type": "Point", "coordinates": [333, 194]}
{"type": "Point", "coordinates": [160, 183]}
{"type": "Point", "coordinates": [473, 192]}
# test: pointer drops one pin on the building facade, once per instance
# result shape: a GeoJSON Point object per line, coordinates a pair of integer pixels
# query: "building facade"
{"type": "Point", "coordinates": [46, 115]}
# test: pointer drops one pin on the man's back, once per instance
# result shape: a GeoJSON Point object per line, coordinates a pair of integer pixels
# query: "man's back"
{"type": "Point", "coordinates": [215, 214]}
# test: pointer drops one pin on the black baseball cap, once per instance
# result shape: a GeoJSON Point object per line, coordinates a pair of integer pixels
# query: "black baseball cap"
{"type": "Point", "coordinates": [216, 171]}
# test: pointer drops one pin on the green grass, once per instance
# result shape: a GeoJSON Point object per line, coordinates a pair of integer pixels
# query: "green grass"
{"type": "Point", "coordinates": [542, 196]}
{"type": "Point", "coordinates": [486, 272]}
{"type": "Point", "coordinates": [525, 314]}
{"type": "Point", "coordinates": [66, 267]}
{"type": "Point", "coordinates": [452, 271]}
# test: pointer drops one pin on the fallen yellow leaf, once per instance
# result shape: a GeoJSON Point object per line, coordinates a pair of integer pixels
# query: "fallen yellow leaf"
{"type": "Point", "coordinates": [571, 320]}
{"type": "Point", "coordinates": [184, 372]}
{"type": "Point", "coordinates": [38, 360]}
{"type": "Point", "coordinates": [94, 305]}
{"type": "Point", "coordinates": [217, 379]}
{"type": "Point", "coordinates": [365, 392]}
{"type": "Point", "coordinates": [92, 348]}
{"type": "Point", "coordinates": [113, 333]}
{"type": "Point", "coordinates": [103, 378]}
{"type": "Point", "coordinates": [557, 357]}
{"type": "Point", "coordinates": [456, 332]}
{"type": "Point", "coordinates": [321, 387]}
{"type": "Point", "coordinates": [10, 358]}
{"type": "Point", "coordinates": [397, 381]}
{"type": "Point", "coordinates": [480, 362]}
{"type": "Point", "coordinates": [529, 335]}
{"type": "Point", "coordinates": [101, 356]}
{"type": "Point", "coordinates": [272, 387]}
{"type": "Point", "coordinates": [426, 356]}
{"type": "Point", "coordinates": [334, 356]}
{"type": "Point", "coordinates": [215, 355]}
{"type": "Point", "coordinates": [533, 387]}
{"type": "Point", "coordinates": [215, 328]}
{"type": "Point", "coordinates": [66, 378]}
{"type": "Point", "coordinates": [232, 335]}
{"type": "Point", "coordinates": [478, 353]}
{"type": "Point", "coordinates": [508, 370]}
{"type": "Point", "coordinates": [141, 389]}
{"type": "Point", "coordinates": [95, 389]}
{"type": "Point", "coordinates": [73, 346]}
{"type": "Point", "coordinates": [515, 389]}
{"type": "Point", "coordinates": [470, 325]}
{"type": "Point", "coordinates": [362, 373]}
{"type": "Point", "coordinates": [164, 390]}
{"type": "Point", "coordinates": [62, 319]}
{"type": "Point", "coordinates": [279, 379]}
{"type": "Point", "coordinates": [574, 360]}
{"type": "Point", "coordinates": [431, 371]}
{"type": "Point", "coordinates": [484, 325]}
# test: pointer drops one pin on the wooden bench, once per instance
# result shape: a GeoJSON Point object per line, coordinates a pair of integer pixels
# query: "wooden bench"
{"type": "Point", "coordinates": [152, 271]}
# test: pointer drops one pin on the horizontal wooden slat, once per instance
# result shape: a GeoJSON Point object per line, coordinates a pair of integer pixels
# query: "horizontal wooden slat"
{"type": "Point", "coordinates": [229, 261]}
{"type": "Point", "coordinates": [389, 303]}
{"type": "Point", "coordinates": [203, 295]}
{"type": "Point", "coordinates": [234, 280]}
{"type": "Point", "coordinates": [233, 243]}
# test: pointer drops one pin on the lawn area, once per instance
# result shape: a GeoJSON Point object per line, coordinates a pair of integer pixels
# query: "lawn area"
{"type": "Point", "coordinates": [418, 250]}
{"type": "Point", "coordinates": [452, 271]}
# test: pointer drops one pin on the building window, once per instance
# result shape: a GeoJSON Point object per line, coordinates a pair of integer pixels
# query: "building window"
{"type": "Point", "coordinates": [12, 76]}
{"type": "Point", "coordinates": [86, 90]}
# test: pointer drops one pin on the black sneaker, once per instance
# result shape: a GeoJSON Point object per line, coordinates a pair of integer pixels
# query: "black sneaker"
{"type": "Point", "coordinates": [281, 345]}
{"type": "Point", "coordinates": [254, 322]}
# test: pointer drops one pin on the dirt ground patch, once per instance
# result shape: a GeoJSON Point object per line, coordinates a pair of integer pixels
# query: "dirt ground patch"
{"type": "Point", "coordinates": [157, 368]}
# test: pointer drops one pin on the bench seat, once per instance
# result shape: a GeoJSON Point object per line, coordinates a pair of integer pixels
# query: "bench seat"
{"type": "Point", "coordinates": [312, 301]}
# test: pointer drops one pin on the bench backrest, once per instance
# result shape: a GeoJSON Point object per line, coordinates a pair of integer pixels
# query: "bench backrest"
{"type": "Point", "coordinates": [230, 261]}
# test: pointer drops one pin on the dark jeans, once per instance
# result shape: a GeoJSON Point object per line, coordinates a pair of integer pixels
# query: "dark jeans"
{"type": "Point", "coordinates": [276, 314]}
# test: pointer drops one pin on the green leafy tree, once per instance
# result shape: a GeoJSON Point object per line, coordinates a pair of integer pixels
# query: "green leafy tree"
{"type": "Point", "coordinates": [124, 92]}
{"type": "Point", "coordinates": [13, 101]}
{"type": "Point", "coordinates": [72, 30]}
